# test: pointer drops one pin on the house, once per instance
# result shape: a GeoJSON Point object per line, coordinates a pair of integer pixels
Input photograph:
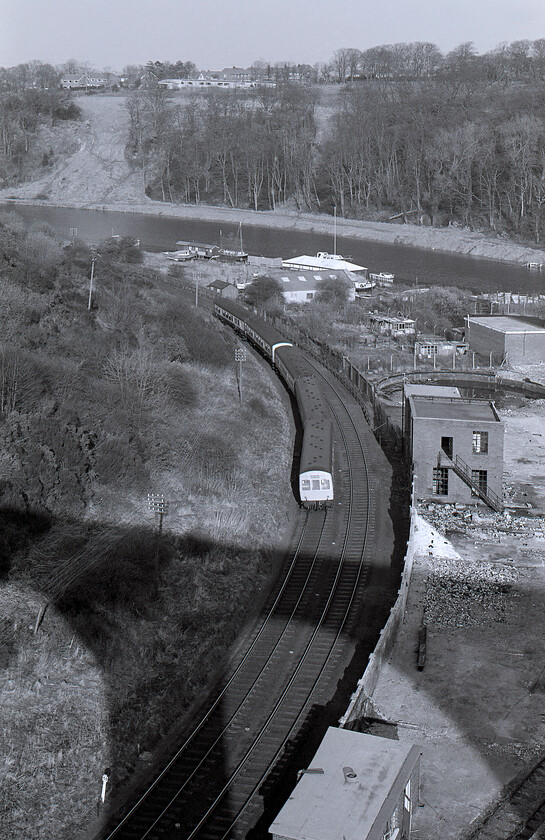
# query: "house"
{"type": "Point", "coordinates": [235, 74]}
{"type": "Point", "coordinates": [393, 326]}
{"type": "Point", "coordinates": [357, 787]}
{"type": "Point", "coordinates": [302, 286]}
{"type": "Point", "coordinates": [220, 288]}
{"type": "Point", "coordinates": [506, 338]}
{"type": "Point", "coordinates": [455, 446]}
{"type": "Point", "coordinates": [83, 81]}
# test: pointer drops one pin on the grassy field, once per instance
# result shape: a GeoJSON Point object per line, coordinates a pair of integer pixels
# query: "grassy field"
{"type": "Point", "coordinates": [102, 407]}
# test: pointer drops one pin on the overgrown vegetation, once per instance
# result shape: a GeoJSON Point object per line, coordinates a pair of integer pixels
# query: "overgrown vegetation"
{"type": "Point", "coordinates": [23, 110]}
{"type": "Point", "coordinates": [99, 408]}
{"type": "Point", "coordinates": [412, 135]}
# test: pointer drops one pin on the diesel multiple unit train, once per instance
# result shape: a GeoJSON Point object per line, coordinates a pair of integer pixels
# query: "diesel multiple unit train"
{"type": "Point", "coordinates": [316, 464]}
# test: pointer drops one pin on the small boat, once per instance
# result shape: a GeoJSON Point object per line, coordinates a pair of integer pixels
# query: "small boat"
{"type": "Point", "coordinates": [233, 254]}
{"type": "Point", "coordinates": [182, 255]}
{"type": "Point", "coordinates": [534, 265]}
{"type": "Point", "coordinates": [383, 278]}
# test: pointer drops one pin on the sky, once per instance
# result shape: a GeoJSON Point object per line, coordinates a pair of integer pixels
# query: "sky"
{"type": "Point", "coordinates": [110, 34]}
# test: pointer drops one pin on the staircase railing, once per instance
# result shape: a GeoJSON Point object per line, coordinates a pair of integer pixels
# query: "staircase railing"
{"type": "Point", "coordinates": [464, 472]}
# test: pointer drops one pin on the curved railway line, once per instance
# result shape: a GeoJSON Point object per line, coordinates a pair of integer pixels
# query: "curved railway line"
{"type": "Point", "coordinates": [210, 788]}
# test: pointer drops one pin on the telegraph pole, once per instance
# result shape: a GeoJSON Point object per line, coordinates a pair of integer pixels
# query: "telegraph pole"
{"type": "Point", "coordinates": [240, 356]}
{"type": "Point", "coordinates": [197, 277]}
{"type": "Point", "coordinates": [93, 260]}
{"type": "Point", "coordinates": [158, 506]}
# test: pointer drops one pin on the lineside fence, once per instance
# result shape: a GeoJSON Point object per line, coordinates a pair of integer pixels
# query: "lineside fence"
{"type": "Point", "coordinates": [368, 392]}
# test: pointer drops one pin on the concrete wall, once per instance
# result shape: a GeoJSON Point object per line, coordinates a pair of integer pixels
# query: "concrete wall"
{"type": "Point", "coordinates": [359, 705]}
{"type": "Point", "coordinates": [527, 348]}
{"type": "Point", "coordinates": [520, 348]}
{"type": "Point", "coordinates": [485, 341]}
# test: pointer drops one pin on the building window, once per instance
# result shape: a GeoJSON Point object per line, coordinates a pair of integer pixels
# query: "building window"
{"type": "Point", "coordinates": [440, 481]}
{"type": "Point", "coordinates": [480, 478]}
{"type": "Point", "coordinates": [480, 443]}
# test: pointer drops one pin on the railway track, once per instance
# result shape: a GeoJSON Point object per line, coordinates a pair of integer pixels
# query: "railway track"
{"type": "Point", "coordinates": [519, 814]}
{"type": "Point", "coordinates": [210, 788]}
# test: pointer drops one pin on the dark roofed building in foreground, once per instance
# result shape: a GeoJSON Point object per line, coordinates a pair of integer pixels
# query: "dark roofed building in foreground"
{"type": "Point", "coordinates": [455, 446]}
{"type": "Point", "coordinates": [357, 787]}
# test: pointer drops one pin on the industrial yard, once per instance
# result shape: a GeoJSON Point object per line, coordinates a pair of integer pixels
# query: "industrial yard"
{"type": "Point", "coordinates": [476, 707]}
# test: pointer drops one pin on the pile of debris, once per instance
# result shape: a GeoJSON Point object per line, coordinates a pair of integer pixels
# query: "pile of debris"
{"type": "Point", "coordinates": [463, 519]}
{"type": "Point", "coordinates": [463, 593]}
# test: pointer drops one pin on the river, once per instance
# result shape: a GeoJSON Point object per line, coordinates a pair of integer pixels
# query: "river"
{"type": "Point", "coordinates": [410, 265]}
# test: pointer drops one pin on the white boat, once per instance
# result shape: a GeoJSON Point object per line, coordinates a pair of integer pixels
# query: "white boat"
{"type": "Point", "coordinates": [383, 278]}
{"type": "Point", "coordinates": [181, 255]}
{"type": "Point", "coordinates": [534, 265]}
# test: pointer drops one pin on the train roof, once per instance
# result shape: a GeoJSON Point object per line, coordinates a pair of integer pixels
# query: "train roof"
{"type": "Point", "coordinates": [236, 309]}
{"type": "Point", "coordinates": [295, 363]}
{"type": "Point", "coordinates": [267, 332]}
{"type": "Point", "coordinates": [316, 449]}
{"type": "Point", "coordinates": [310, 399]}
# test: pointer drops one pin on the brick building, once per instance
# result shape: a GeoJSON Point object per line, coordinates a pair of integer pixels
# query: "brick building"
{"type": "Point", "coordinates": [455, 446]}
{"type": "Point", "coordinates": [505, 337]}
{"type": "Point", "coordinates": [358, 787]}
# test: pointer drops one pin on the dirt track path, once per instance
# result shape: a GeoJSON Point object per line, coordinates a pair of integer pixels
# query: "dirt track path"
{"type": "Point", "coordinates": [97, 172]}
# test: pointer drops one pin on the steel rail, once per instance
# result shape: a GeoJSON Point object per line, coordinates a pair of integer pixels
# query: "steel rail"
{"type": "Point", "coordinates": [302, 710]}
{"type": "Point", "coordinates": [226, 726]}
{"type": "Point", "coordinates": [302, 661]}
{"type": "Point", "coordinates": [239, 667]}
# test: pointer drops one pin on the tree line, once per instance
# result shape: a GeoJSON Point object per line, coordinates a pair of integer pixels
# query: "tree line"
{"type": "Point", "coordinates": [444, 150]}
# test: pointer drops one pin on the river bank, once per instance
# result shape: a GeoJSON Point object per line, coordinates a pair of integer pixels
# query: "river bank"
{"type": "Point", "coordinates": [90, 171]}
{"type": "Point", "coordinates": [451, 240]}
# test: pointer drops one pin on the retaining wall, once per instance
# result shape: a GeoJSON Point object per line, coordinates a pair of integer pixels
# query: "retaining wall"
{"type": "Point", "coordinates": [360, 702]}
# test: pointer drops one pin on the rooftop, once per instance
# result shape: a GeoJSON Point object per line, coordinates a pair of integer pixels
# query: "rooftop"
{"type": "Point", "coordinates": [342, 792]}
{"type": "Point", "coordinates": [506, 324]}
{"type": "Point", "coordinates": [453, 408]}
{"type": "Point", "coordinates": [430, 390]}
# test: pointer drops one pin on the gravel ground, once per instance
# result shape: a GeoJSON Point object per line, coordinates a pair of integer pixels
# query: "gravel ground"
{"type": "Point", "coordinates": [478, 583]}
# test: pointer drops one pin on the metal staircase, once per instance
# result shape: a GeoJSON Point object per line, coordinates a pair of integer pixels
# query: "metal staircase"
{"type": "Point", "coordinates": [464, 472]}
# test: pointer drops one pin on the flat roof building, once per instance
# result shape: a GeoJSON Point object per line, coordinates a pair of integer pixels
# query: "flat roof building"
{"type": "Point", "coordinates": [455, 446]}
{"type": "Point", "coordinates": [357, 787]}
{"type": "Point", "coordinates": [504, 337]}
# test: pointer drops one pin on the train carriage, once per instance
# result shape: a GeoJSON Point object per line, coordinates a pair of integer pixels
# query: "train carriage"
{"type": "Point", "coordinates": [267, 338]}
{"type": "Point", "coordinates": [233, 313]}
{"type": "Point", "coordinates": [291, 365]}
{"type": "Point", "coordinates": [315, 468]}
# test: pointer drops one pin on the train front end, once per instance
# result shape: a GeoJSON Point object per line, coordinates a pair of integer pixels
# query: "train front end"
{"type": "Point", "coordinates": [315, 468]}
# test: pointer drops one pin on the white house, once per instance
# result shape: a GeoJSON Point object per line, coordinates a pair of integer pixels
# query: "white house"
{"type": "Point", "coordinates": [302, 286]}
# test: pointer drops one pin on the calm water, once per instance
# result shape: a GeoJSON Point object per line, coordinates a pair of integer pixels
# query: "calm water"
{"type": "Point", "coordinates": [407, 263]}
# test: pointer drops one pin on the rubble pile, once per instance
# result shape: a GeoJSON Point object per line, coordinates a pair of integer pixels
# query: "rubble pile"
{"type": "Point", "coordinates": [479, 524]}
{"type": "Point", "coordinates": [461, 593]}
